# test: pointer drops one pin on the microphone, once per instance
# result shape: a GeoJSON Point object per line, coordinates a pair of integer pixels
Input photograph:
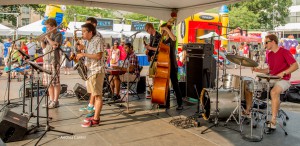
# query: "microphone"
{"type": "Point", "coordinates": [24, 54]}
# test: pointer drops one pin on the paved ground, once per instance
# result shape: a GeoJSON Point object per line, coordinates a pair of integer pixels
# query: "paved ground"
{"type": "Point", "coordinates": [146, 127]}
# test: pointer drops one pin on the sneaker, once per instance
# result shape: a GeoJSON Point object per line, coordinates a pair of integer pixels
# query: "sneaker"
{"type": "Point", "coordinates": [88, 119]}
{"type": "Point", "coordinates": [90, 115]}
{"type": "Point", "coordinates": [91, 123]}
{"type": "Point", "coordinates": [116, 97]}
{"type": "Point", "coordinates": [44, 105]}
{"type": "Point", "coordinates": [179, 108]}
{"type": "Point", "coordinates": [53, 105]}
{"type": "Point", "coordinates": [87, 108]}
{"type": "Point", "coordinates": [270, 127]}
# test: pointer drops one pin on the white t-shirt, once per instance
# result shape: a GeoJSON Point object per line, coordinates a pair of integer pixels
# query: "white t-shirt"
{"type": "Point", "coordinates": [31, 48]}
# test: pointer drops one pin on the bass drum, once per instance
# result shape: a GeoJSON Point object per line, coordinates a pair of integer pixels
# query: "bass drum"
{"type": "Point", "coordinates": [227, 102]}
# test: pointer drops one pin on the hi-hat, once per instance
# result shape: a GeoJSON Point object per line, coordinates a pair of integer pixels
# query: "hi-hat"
{"type": "Point", "coordinates": [243, 61]}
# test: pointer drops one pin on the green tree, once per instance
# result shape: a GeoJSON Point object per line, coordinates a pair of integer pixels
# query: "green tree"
{"type": "Point", "coordinates": [242, 17]}
{"type": "Point", "coordinates": [9, 17]}
{"type": "Point", "coordinates": [271, 13]}
{"type": "Point", "coordinates": [88, 11]}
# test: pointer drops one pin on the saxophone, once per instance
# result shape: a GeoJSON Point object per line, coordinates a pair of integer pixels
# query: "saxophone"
{"type": "Point", "coordinates": [80, 67]}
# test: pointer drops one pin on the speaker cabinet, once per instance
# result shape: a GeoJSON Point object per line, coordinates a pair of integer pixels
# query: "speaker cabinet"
{"type": "Point", "coordinates": [13, 126]}
{"type": "Point", "coordinates": [200, 69]}
{"type": "Point", "coordinates": [141, 85]}
{"type": "Point", "coordinates": [81, 92]}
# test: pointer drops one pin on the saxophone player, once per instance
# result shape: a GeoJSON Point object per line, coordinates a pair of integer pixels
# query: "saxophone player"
{"type": "Point", "coordinates": [94, 61]}
{"type": "Point", "coordinates": [81, 46]}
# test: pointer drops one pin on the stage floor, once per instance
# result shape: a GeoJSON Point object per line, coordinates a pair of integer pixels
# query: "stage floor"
{"type": "Point", "coordinates": [145, 127]}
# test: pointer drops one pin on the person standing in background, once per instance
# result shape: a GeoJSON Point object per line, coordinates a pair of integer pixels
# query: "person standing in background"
{"type": "Point", "coordinates": [67, 50]}
{"type": "Point", "coordinates": [6, 50]}
{"type": "Point", "coordinates": [32, 47]}
{"type": "Point", "coordinates": [114, 55]}
{"type": "Point", "coordinates": [122, 51]}
{"type": "Point", "coordinates": [1, 52]}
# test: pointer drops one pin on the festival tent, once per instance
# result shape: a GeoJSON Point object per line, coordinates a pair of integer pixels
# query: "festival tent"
{"type": "Point", "coordinates": [117, 32]}
{"type": "Point", "coordinates": [34, 29]}
{"type": "Point", "coordinates": [4, 30]}
{"type": "Point", "coordinates": [248, 39]}
{"type": "Point", "coordinates": [161, 9]}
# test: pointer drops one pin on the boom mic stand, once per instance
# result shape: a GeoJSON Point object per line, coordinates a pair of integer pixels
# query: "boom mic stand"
{"type": "Point", "coordinates": [48, 127]}
{"type": "Point", "coordinates": [216, 122]}
{"type": "Point", "coordinates": [10, 104]}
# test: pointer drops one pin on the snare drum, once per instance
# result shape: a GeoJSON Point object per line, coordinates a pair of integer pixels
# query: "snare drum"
{"type": "Point", "coordinates": [231, 81]}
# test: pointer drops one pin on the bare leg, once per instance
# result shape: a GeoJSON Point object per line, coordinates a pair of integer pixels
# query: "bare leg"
{"type": "Point", "coordinates": [112, 85]}
{"type": "Point", "coordinates": [92, 100]}
{"type": "Point", "coordinates": [51, 92]}
{"type": "Point", "coordinates": [275, 95]}
{"type": "Point", "coordinates": [98, 106]}
{"type": "Point", "coordinates": [248, 98]}
{"type": "Point", "coordinates": [56, 92]}
{"type": "Point", "coordinates": [117, 84]}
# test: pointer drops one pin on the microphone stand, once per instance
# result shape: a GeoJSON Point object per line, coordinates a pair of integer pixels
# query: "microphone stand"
{"type": "Point", "coordinates": [10, 104]}
{"type": "Point", "coordinates": [128, 111]}
{"type": "Point", "coordinates": [48, 127]}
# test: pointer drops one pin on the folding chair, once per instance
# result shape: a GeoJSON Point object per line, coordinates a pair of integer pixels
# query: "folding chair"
{"type": "Point", "coordinates": [132, 86]}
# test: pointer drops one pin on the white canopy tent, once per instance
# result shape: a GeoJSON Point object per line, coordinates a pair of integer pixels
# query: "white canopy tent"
{"type": "Point", "coordinates": [34, 28]}
{"type": "Point", "coordinates": [118, 30]}
{"type": "Point", "coordinates": [160, 9]}
{"type": "Point", "coordinates": [4, 30]}
{"type": "Point", "coordinates": [289, 27]}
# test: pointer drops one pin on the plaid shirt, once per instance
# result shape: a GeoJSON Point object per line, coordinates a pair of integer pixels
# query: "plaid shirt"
{"type": "Point", "coordinates": [133, 60]}
{"type": "Point", "coordinates": [94, 46]}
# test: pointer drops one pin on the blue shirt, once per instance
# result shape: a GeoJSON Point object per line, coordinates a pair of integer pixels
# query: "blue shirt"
{"type": "Point", "coordinates": [6, 45]}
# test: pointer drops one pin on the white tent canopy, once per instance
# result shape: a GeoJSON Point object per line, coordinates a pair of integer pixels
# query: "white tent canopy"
{"type": "Point", "coordinates": [34, 28]}
{"type": "Point", "coordinates": [4, 30]}
{"type": "Point", "coordinates": [289, 27]}
{"type": "Point", "coordinates": [160, 9]}
{"type": "Point", "coordinates": [118, 30]}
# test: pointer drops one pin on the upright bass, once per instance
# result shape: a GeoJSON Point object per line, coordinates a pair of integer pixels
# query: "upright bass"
{"type": "Point", "coordinates": [162, 75]}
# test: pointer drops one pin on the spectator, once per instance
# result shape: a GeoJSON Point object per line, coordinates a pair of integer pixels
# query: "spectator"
{"type": "Point", "coordinates": [32, 47]}
{"type": "Point", "coordinates": [1, 52]}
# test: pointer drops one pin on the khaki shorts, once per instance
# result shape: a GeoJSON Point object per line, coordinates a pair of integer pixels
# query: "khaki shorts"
{"type": "Point", "coordinates": [130, 77]}
{"type": "Point", "coordinates": [95, 84]}
{"type": "Point", "coordinates": [284, 84]}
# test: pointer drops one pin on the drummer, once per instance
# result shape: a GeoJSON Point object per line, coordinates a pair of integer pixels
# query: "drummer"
{"type": "Point", "coordinates": [280, 63]}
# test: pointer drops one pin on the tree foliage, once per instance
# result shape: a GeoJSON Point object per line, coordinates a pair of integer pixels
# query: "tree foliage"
{"type": "Point", "coordinates": [242, 17]}
{"type": "Point", "coordinates": [271, 13]}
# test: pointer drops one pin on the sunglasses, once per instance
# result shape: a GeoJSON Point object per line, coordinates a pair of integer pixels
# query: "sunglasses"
{"type": "Point", "coordinates": [267, 42]}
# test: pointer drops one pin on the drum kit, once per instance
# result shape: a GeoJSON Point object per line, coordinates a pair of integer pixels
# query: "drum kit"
{"type": "Point", "coordinates": [231, 92]}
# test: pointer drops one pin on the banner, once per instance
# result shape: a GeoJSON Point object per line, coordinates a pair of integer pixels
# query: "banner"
{"type": "Point", "coordinates": [138, 26]}
{"type": "Point", "coordinates": [105, 24]}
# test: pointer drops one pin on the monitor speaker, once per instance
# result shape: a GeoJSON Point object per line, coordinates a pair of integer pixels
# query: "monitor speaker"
{"type": "Point", "coordinates": [81, 92]}
{"type": "Point", "coordinates": [13, 126]}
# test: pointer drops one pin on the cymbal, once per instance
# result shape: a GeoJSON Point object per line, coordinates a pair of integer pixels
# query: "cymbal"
{"type": "Point", "coordinates": [265, 76]}
{"type": "Point", "coordinates": [240, 60]}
